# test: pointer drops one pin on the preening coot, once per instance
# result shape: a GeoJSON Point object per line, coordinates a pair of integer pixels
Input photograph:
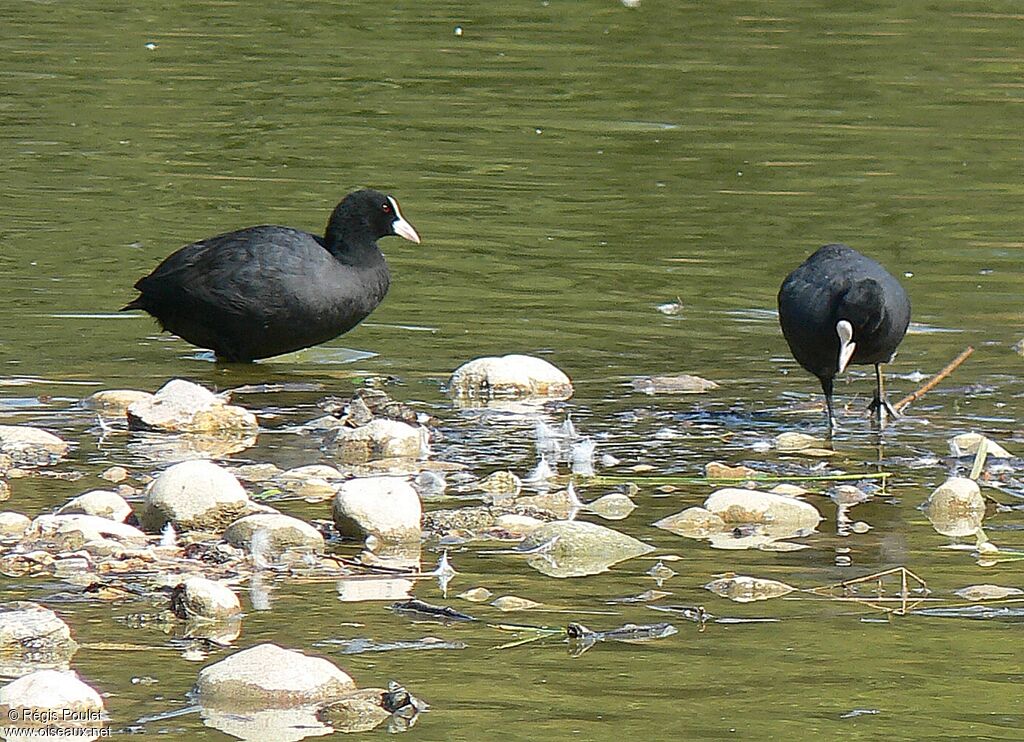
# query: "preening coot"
{"type": "Point", "coordinates": [263, 291]}
{"type": "Point", "coordinates": [839, 307]}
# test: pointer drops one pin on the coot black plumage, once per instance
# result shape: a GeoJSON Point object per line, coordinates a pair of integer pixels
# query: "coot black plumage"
{"type": "Point", "coordinates": [840, 307]}
{"type": "Point", "coordinates": [267, 290]}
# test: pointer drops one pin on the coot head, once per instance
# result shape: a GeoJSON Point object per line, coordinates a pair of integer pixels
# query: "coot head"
{"type": "Point", "coordinates": [368, 214]}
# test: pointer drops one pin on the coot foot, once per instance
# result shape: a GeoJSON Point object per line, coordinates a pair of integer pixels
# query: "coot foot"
{"type": "Point", "coordinates": [880, 404]}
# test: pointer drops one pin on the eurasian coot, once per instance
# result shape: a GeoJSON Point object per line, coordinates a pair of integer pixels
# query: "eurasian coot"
{"type": "Point", "coordinates": [267, 290]}
{"type": "Point", "coordinates": [840, 307]}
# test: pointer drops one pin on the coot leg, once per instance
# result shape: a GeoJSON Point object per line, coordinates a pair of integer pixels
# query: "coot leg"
{"type": "Point", "coordinates": [826, 387]}
{"type": "Point", "coordinates": [880, 404]}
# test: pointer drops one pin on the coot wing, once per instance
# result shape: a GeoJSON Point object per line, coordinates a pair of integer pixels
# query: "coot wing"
{"type": "Point", "coordinates": [234, 274]}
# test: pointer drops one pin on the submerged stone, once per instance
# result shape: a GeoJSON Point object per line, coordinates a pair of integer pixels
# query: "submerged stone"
{"type": "Point", "coordinates": [359, 711]}
{"type": "Point", "coordinates": [803, 444]}
{"type": "Point", "coordinates": [987, 592]}
{"type": "Point", "coordinates": [744, 589]}
{"type": "Point", "coordinates": [31, 637]}
{"type": "Point", "coordinates": [570, 548]}
{"type": "Point", "coordinates": [678, 384]}
{"type": "Point", "coordinates": [613, 506]}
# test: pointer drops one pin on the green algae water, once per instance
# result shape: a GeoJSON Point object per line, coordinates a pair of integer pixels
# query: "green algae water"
{"type": "Point", "coordinates": [570, 167]}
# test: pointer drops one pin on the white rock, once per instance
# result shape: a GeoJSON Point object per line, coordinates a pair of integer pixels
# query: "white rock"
{"type": "Point", "coordinates": [193, 495]}
{"type": "Point", "coordinates": [386, 507]}
{"type": "Point", "coordinates": [75, 530]}
{"type": "Point", "coordinates": [184, 407]}
{"type": "Point", "coordinates": [49, 690]}
{"type": "Point", "coordinates": [956, 508]}
{"type": "Point", "coordinates": [735, 505]}
{"type": "Point", "coordinates": [509, 376]}
{"type": "Point", "coordinates": [30, 446]}
{"type": "Point", "coordinates": [13, 524]}
{"type": "Point", "coordinates": [967, 444]}
{"type": "Point", "coordinates": [103, 503]}
{"type": "Point", "coordinates": [198, 597]}
{"type": "Point", "coordinates": [283, 532]}
{"type": "Point", "coordinates": [380, 438]}
{"type": "Point", "coordinates": [268, 676]}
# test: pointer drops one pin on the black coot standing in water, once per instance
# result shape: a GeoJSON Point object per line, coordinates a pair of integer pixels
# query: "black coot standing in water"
{"type": "Point", "coordinates": [839, 307]}
{"type": "Point", "coordinates": [267, 290]}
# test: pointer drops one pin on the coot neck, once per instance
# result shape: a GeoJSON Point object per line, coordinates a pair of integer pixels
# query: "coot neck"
{"type": "Point", "coordinates": [350, 245]}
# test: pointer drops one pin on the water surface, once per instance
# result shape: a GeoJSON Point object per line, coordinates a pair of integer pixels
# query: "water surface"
{"type": "Point", "coordinates": [570, 167]}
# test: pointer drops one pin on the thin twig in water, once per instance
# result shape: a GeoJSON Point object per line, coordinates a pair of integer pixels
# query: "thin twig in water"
{"type": "Point", "coordinates": [905, 600]}
{"type": "Point", "coordinates": [934, 381]}
{"type": "Point", "coordinates": [668, 479]}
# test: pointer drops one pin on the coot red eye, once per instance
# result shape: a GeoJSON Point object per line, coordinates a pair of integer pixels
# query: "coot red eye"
{"type": "Point", "coordinates": [386, 207]}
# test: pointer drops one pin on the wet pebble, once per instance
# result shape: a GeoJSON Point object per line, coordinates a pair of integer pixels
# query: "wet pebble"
{"type": "Point", "coordinates": [115, 474]}
{"type": "Point", "coordinates": [198, 597]}
{"type": "Point", "coordinates": [735, 505]}
{"type": "Point", "coordinates": [968, 444]}
{"type": "Point", "coordinates": [430, 483]}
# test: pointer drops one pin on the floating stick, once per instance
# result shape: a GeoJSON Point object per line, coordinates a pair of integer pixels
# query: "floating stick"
{"type": "Point", "coordinates": [934, 381]}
